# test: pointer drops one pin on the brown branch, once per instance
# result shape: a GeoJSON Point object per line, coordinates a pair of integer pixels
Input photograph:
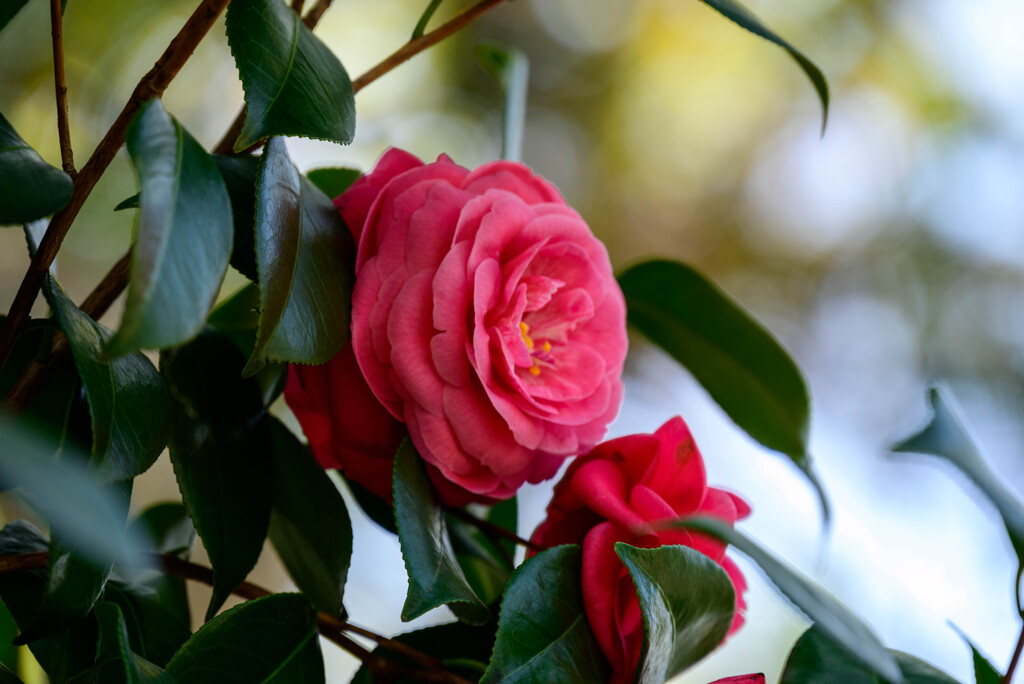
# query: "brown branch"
{"type": "Point", "coordinates": [37, 372]}
{"type": "Point", "coordinates": [297, 6]}
{"type": "Point", "coordinates": [23, 561]}
{"type": "Point", "coordinates": [1008, 678]}
{"type": "Point", "coordinates": [152, 85]}
{"type": "Point", "coordinates": [418, 45]}
{"type": "Point", "coordinates": [489, 528]}
{"type": "Point", "coordinates": [67, 157]}
{"type": "Point", "coordinates": [399, 56]}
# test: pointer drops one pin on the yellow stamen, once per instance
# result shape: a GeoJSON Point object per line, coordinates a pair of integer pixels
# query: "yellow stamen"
{"type": "Point", "coordinates": [547, 346]}
{"type": "Point", "coordinates": [534, 371]}
{"type": "Point", "coordinates": [523, 330]}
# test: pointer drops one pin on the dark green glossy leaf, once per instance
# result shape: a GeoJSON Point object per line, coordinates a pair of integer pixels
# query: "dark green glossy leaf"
{"type": "Point", "coordinates": [687, 602]}
{"type": "Point", "coordinates": [733, 10]}
{"type": "Point", "coordinates": [182, 236]}
{"type": "Point", "coordinates": [464, 649]}
{"type": "Point", "coordinates": [737, 361]}
{"type": "Point", "coordinates": [303, 253]}
{"type": "Point", "coordinates": [127, 401]}
{"type": "Point", "coordinates": [309, 524]}
{"type": "Point", "coordinates": [221, 453]}
{"type": "Point", "coordinates": [48, 410]}
{"type": "Point", "coordinates": [9, 9]}
{"type": "Point", "coordinates": [543, 634]}
{"type": "Point", "coordinates": [984, 671]}
{"type": "Point", "coordinates": [250, 643]}
{"type": "Point", "coordinates": [816, 658]}
{"type": "Point", "coordinates": [511, 69]}
{"type": "Point", "coordinates": [376, 509]}
{"type": "Point", "coordinates": [29, 187]}
{"type": "Point", "coordinates": [8, 630]}
{"type": "Point", "coordinates": [294, 85]}
{"type": "Point", "coordinates": [505, 514]}
{"type": "Point", "coordinates": [115, 661]}
{"type": "Point", "coordinates": [483, 565]}
{"type": "Point", "coordinates": [64, 653]}
{"type": "Point", "coordinates": [333, 181]}
{"type": "Point", "coordinates": [130, 203]}
{"type": "Point", "coordinates": [947, 437]}
{"type": "Point", "coordinates": [836, 621]}
{"type": "Point", "coordinates": [7, 676]}
{"type": "Point", "coordinates": [239, 174]}
{"type": "Point", "coordinates": [68, 496]}
{"type": "Point", "coordinates": [154, 633]}
{"type": "Point", "coordinates": [421, 25]}
{"type": "Point", "coordinates": [435, 577]}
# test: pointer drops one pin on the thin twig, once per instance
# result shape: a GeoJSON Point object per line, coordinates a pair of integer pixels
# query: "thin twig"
{"type": "Point", "coordinates": [36, 373]}
{"type": "Point", "coordinates": [487, 527]}
{"type": "Point", "coordinates": [67, 157]}
{"type": "Point", "coordinates": [152, 85]}
{"type": "Point", "coordinates": [1008, 678]}
{"type": "Point", "coordinates": [399, 56]}
{"type": "Point", "coordinates": [23, 561]}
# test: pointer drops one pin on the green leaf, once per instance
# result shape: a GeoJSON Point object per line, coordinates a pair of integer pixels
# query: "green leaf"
{"type": "Point", "coordinates": [127, 400]}
{"type": "Point", "coordinates": [304, 255]}
{"type": "Point", "coordinates": [375, 508]}
{"type": "Point", "coordinates": [130, 203]}
{"type": "Point", "coordinates": [486, 570]}
{"type": "Point", "coordinates": [947, 437]}
{"type": "Point", "coordinates": [29, 187]}
{"type": "Point", "coordinates": [333, 181]}
{"type": "Point", "coordinates": [816, 658]}
{"type": "Point", "coordinates": [309, 524]}
{"type": "Point", "coordinates": [734, 11]}
{"type": "Point", "coordinates": [221, 452]}
{"type": "Point", "coordinates": [984, 671]}
{"type": "Point", "coordinates": [511, 69]}
{"type": "Point", "coordinates": [294, 85]}
{"type": "Point", "coordinates": [737, 361]}
{"type": "Point", "coordinates": [835, 620]}
{"type": "Point", "coordinates": [48, 411]}
{"type": "Point", "coordinates": [687, 601]}
{"type": "Point", "coordinates": [543, 633]}
{"type": "Point", "coordinates": [154, 633]}
{"type": "Point", "coordinates": [239, 174]}
{"type": "Point", "coordinates": [8, 630]}
{"type": "Point", "coordinates": [464, 649]}
{"type": "Point", "coordinates": [182, 236]}
{"type": "Point", "coordinates": [64, 653]}
{"type": "Point", "coordinates": [115, 661]}
{"type": "Point", "coordinates": [252, 642]}
{"type": "Point", "coordinates": [67, 495]}
{"type": "Point", "coordinates": [9, 9]}
{"type": "Point", "coordinates": [435, 577]}
{"type": "Point", "coordinates": [7, 676]}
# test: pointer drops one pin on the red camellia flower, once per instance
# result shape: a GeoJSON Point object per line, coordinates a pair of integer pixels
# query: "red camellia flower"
{"type": "Point", "coordinates": [613, 494]}
{"type": "Point", "coordinates": [485, 317]}
{"type": "Point", "coordinates": [742, 679]}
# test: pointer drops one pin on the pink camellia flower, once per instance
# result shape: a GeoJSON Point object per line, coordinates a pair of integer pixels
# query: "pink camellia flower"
{"type": "Point", "coordinates": [613, 494]}
{"type": "Point", "coordinates": [742, 679]}
{"type": "Point", "coordinates": [485, 317]}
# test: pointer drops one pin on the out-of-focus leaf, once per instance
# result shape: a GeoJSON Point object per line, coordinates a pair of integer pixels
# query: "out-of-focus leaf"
{"type": "Point", "coordinates": [154, 633]}
{"type": "Point", "coordinates": [182, 236]}
{"type": "Point", "coordinates": [69, 497]}
{"type": "Point", "coordinates": [511, 69]}
{"type": "Point", "coordinates": [737, 361]}
{"type": "Point", "coordinates": [543, 633]}
{"type": "Point", "coordinates": [130, 203]}
{"type": "Point", "coordinates": [70, 650]}
{"type": "Point", "coordinates": [29, 187]}
{"type": "Point", "coordinates": [435, 577]}
{"type": "Point", "coordinates": [7, 676]}
{"type": "Point", "coordinates": [250, 643]}
{"type": "Point", "coordinates": [736, 12]}
{"type": "Point", "coordinates": [816, 658]}
{"type": "Point", "coordinates": [309, 524]}
{"type": "Point", "coordinates": [239, 174]}
{"type": "Point", "coordinates": [48, 411]}
{"type": "Point", "coordinates": [836, 621]}
{"type": "Point", "coordinates": [127, 400]}
{"type": "Point", "coordinates": [221, 452]}
{"type": "Point", "coordinates": [687, 602]}
{"type": "Point", "coordinates": [947, 437]}
{"type": "Point", "coordinates": [294, 85]}
{"type": "Point", "coordinates": [464, 649]}
{"type": "Point", "coordinates": [8, 630]}
{"type": "Point", "coordinates": [304, 256]}
{"type": "Point", "coordinates": [481, 562]}
{"type": "Point", "coordinates": [333, 181]}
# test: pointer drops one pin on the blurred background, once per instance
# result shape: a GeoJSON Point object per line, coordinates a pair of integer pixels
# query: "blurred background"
{"type": "Point", "coordinates": [884, 255]}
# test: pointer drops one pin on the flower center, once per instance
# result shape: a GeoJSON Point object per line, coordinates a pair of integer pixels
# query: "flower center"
{"type": "Point", "coordinates": [538, 357]}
